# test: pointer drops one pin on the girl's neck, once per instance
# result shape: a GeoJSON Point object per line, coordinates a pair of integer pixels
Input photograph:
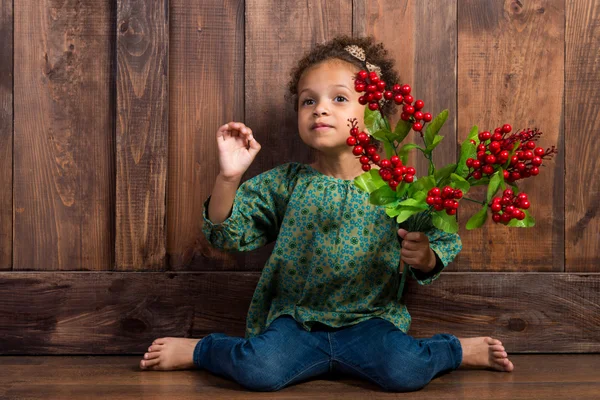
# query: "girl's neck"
{"type": "Point", "coordinates": [343, 166]}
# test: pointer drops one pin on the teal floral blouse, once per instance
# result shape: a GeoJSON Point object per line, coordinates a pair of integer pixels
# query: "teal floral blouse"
{"type": "Point", "coordinates": [336, 256]}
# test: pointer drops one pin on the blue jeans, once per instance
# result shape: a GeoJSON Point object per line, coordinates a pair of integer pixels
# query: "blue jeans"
{"type": "Point", "coordinates": [286, 353]}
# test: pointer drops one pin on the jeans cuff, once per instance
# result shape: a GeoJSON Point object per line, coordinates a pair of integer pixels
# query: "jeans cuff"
{"type": "Point", "coordinates": [457, 352]}
{"type": "Point", "coordinates": [198, 356]}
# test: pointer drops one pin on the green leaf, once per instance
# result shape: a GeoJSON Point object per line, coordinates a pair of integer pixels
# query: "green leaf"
{"type": "Point", "coordinates": [383, 195]}
{"type": "Point", "coordinates": [374, 121]}
{"type": "Point", "coordinates": [369, 181]}
{"type": "Point", "coordinates": [459, 182]}
{"type": "Point", "coordinates": [414, 203]}
{"type": "Point", "coordinates": [436, 140]}
{"type": "Point", "coordinates": [403, 153]}
{"type": "Point", "coordinates": [528, 222]}
{"type": "Point", "coordinates": [381, 134]}
{"type": "Point", "coordinates": [401, 131]}
{"type": "Point", "coordinates": [477, 219]}
{"type": "Point", "coordinates": [424, 183]}
{"type": "Point", "coordinates": [467, 150]}
{"type": "Point", "coordinates": [434, 127]}
{"type": "Point", "coordinates": [495, 182]}
{"type": "Point", "coordinates": [474, 133]}
{"type": "Point", "coordinates": [445, 222]}
{"type": "Point", "coordinates": [443, 173]}
{"type": "Point", "coordinates": [406, 213]}
{"type": "Point", "coordinates": [389, 148]}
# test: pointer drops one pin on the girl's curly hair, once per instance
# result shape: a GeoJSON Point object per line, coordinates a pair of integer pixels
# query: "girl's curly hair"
{"type": "Point", "coordinates": [375, 54]}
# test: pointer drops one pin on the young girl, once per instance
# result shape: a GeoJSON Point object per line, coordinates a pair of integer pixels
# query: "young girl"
{"type": "Point", "coordinates": [327, 299]}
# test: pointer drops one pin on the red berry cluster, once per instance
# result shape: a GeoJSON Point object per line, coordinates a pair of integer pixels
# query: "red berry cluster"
{"type": "Point", "coordinates": [392, 171]}
{"type": "Point", "coordinates": [375, 90]}
{"type": "Point", "coordinates": [444, 199]}
{"type": "Point", "coordinates": [494, 151]}
{"type": "Point", "coordinates": [509, 206]}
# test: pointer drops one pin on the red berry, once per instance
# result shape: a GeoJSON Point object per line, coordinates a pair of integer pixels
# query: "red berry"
{"type": "Point", "coordinates": [405, 89]}
{"type": "Point", "coordinates": [371, 88]}
{"type": "Point", "coordinates": [365, 160]}
{"type": "Point", "coordinates": [469, 162]}
{"type": "Point", "coordinates": [506, 174]}
{"type": "Point", "coordinates": [451, 211]}
{"type": "Point", "coordinates": [520, 166]}
{"type": "Point", "coordinates": [351, 141]}
{"type": "Point", "coordinates": [481, 156]}
{"type": "Point", "coordinates": [496, 217]}
{"type": "Point", "coordinates": [373, 77]}
{"type": "Point", "coordinates": [357, 150]}
{"type": "Point", "coordinates": [360, 87]}
{"type": "Point", "coordinates": [408, 99]}
{"type": "Point", "coordinates": [534, 171]}
{"type": "Point", "coordinates": [530, 145]}
{"type": "Point", "coordinates": [410, 171]}
{"type": "Point", "coordinates": [506, 128]}
{"type": "Point", "coordinates": [430, 200]}
{"type": "Point", "coordinates": [417, 126]}
{"type": "Point", "coordinates": [419, 104]}
{"type": "Point", "coordinates": [458, 194]}
{"type": "Point", "coordinates": [396, 88]}
{"type": "Point", "coordinates": [505, 217]}
{"type": "Point", "coordinates": [418, 115]}
{"type": "Point", "coordinates": [366, 167]}
{"type": "Point", "coordinates": [388, 95]}
{"type": "Point", "coordinates": [495, 147]}
{"type": "Point", "coordinates": [375, 158]}
{"type": "Point", "coordinates": [521, 216]}
{"type": "Point", "coordinates": [476, 164]}
{"type": "Point", "coordinates": [398, 172]}
{"type": "Point", "coordinates": [398, 99]}
{"type": "Point", "coordinates": [438, 207]}
{"type": "Point", "coordinates": [373, 106]}
{"type": "Point", "coordinates": [435, 192]}
{"type": "Point", "coordinates": [504, 155]}
{"type": "Point", "coordinates": [362, 74]}
{"type": "Point", "coordinates": [483, 136]}
{"type": "Point", "coordinates": [508, 193]}
{"type": "Point", "coordinates": [408, 109]}
{"type": "Point", "coordinates": [362, 100]}
{"type": "Point", "coordinates": [477, 175]}
{"type": "Point", "coordinates": [488, 169]}
{"type": "Point", "coordinates": [490, 159]}
{"type": "Point", "coordinates": [496, 207]}
{"type": "Point", "coordinates": [528, 155]}
{"type": "Point", "coordinates": [394, 160]}
{"type": "Point", "coordinates": [515, 176]}
{"type": "Point", "coordinates": [427, 117]}
{"type": "Point", "coordinates": [370, 97]}
{"type": "Point", "coordinates": [377, 96]}
{"type": "Point", "coordinates": [371, 149]}
{"type": "Point", "coordinates": [385, 163]}
{"type": "Point", "coordinates": [393, 184]}
{"type": "Point", "coordinates": [539, 151]}
{"type": "Point", "coordinates": [522, 196]}
{"type": "Point", "coordinates": [481, 147]}
{"type": "Point", "coordinates": [536, 161]}
{"type": "Point", "coordinates": [408, 178]}
{"type": "Point", "coordinates": [381, 85]}
{"type": "Point", "coordinates": [448, 203]}
{"type": "Point", "coordinates": [362, 137]}
{"type": "Point", "coordinates": [524, 204]}
{"type": "Point", "coordinates": [354, 131]}
{"type": "Point", "coordinates": [447, 192]}
{"type": "Point", "coordinates": [497, 136]}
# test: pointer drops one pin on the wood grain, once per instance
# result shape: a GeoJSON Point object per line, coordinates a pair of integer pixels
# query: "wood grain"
{"type": "Point", "coordinates": [567, 376]}
{"type": "Point", "coordinates": [116, 313]}
{"type": "Point", "coordinates": [421, 37]}
{"type": "Point", "coordinates": [511, 70]}
{"type": "Point", "coordinates": [142, 133]}
{"type": "Point", "coordinates": [206, 90]}
{"type": "Point", "coordinates": [582, 117]}
{"type": "Point", "coordinates": [277, 35]}
{"type": "Point", "coordinates": [63, 140]}
{"type": "Point", "coordinates": [6, 133]}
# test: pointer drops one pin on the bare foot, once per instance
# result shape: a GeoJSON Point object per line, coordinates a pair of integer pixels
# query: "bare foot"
{"type": "Point", "coordinates": [485, 352]}
{"type": "Point", "coordinates": [167, 354]}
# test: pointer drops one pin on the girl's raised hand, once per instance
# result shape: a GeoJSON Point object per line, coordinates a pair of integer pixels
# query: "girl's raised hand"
{"type": "Point", "coordinates": [237, 149]}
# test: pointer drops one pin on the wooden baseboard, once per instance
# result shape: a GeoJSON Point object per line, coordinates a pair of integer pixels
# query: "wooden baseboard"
{"type": "Point", "coordinates": [122, 312]}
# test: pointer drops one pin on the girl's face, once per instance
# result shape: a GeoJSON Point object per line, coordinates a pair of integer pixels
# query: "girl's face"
{"type": "Point", "coordinates": [326, 100]}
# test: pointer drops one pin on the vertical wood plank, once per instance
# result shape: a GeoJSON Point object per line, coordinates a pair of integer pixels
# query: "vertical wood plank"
{"type": "Point", "coordinates": [511, 70]}
{"type": "Point", "coordinates": [63, 159]}
{"type": "Point", "coordinates": [142, 129]}
{"type": "Point", "coordinates": [582, 112]}
{"type": "Point", "coordinates": [6, 133]}
{"type": "Point", "coordinates": [278, 33]}
{"type": "Point", "coordinates": [421, 37]}
{"type": "Point", "coordinates": [206, 91]}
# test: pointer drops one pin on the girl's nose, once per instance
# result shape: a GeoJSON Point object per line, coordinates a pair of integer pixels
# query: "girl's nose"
{"type": "Point", "coordinates": [320, 110]}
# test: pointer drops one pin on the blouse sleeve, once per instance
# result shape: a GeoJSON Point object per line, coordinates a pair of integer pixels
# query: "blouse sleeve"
{"type": "Point", "coordinates": [258, 209]}
{"type": "Point", "coordinates": [445, 246]}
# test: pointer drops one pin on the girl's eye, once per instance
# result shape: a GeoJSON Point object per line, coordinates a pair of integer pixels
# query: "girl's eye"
{"type": "Point", "coordinates": [304, 102]}
{"type": "Point", "coordinates": [341, 97]}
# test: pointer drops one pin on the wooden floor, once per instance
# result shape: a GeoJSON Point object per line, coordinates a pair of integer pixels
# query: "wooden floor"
{"type": "Point", "coordinates": [118, 377]}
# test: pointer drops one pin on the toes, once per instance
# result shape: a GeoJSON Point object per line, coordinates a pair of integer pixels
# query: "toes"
{"type": "Point", "coordinates": [497, 347]}
{"type": "Point", "coordinates": [151, 356]}
{"type": "Point", "coordinates": [500, 354]}
{"type": "Point", "coordinates": [149, 364]}
{"type": "Point", "coordinates": [160, 341]}
{"type": "Point", "coordinates": [155, 347]}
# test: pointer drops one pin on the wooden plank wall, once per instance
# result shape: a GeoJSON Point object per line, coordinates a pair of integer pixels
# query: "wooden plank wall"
{"type": "Point", "coordinates": [116, 107]}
